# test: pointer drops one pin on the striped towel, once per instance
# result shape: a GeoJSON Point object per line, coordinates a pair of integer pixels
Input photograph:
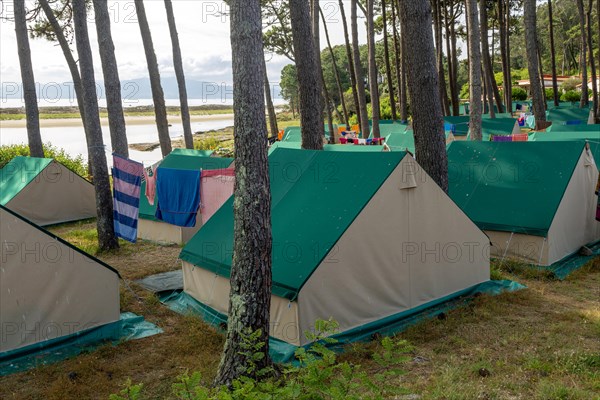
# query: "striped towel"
{"type": "Point", "coordinates": [127, 180]}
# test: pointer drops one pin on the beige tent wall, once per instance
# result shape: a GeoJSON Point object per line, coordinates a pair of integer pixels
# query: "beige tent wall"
{"type": "Point", "coordinates": [56, 195]}
{"type": "Point", "coordinates": [410, 245]}
{"type": "Point", "coordinates": [213, 291]}
{"type": "Point", "coordinates": [161, 232]}
{"type": "Point", "coordinates": [516, 129]}
{"type": "Point", "coordinates": [516, 246]}
{"type": "Point", "coordinates": [574, 224]}
{"type": "Point", "coordinates": [48, 289]}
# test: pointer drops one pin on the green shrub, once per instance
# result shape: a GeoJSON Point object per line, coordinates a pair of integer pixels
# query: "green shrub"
{"type": "Point", "coordinates": [75, 164]}
{"type": "Point", "coordinates": [571, 95]}
{"type": "Point", "coordinates": [464, 91]}
{"type": "Point", "coordinates": [549, 94]}
{"type": "Point", "coordinates": [519, 94]}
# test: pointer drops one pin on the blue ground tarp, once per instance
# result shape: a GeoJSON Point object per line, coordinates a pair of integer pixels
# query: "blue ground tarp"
{"type": "Point", "coordinates": [129, 327]}
{"type": "Point", "coordinates": [283, 352]}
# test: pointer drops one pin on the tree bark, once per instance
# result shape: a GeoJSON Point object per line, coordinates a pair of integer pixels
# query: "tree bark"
{"type": "Point", "coordinates": [112, 83]}
{"type": "Point", "coordinates": [487, 60]}
{"type": "Point", "coordinates": [158, 96]}
{"type": "Point", "coordinates": [104, 203]}
{"type": "Point", "coordinates": [439, 49]}
{"type": "Point", "coordinates": [397, 58]}
{"type": "Point", "coordinates": [531, 43]}
{"type": "Point", "coordinates": [32, 114]}
{"type": "Point", "coordinates": [585, 101]}
{"type": "Point", "coordinates": [451, 63]}
{"type": "Point", "coordinates": [403, 85]}
{"type": "Point", "coordinates": [269, 102]}
{"type": "Point", "coordinates": [360, 83]}
{"type": "Point", "coordinates": [314, 14]}
{"type": "Point", "coordinates": [71, 63]}
{"type": "Point", "coordinates": [335, 71]}
{"type": "Point", "coordinates": [250, 295]}
{"type": "Point", "coordinates": [506, 57]}
{"type": "Point", "coordinates": [350, 62]}
{"type": "Point", "coordinates": [475, 84]}
{"type": "Point", "coordinates": [553, 56]}
{"type": "Point", "coordinates": [373, 81]}
{"type": "Point", "coordinates": [310, 93]}
{"type": "Point", "coordinates": [388, 69]}
{"type": "Point", "coordinates": [179, 74]}
{"type": "Point", "coordinates": [428, 122]}
{"type": "Point", "coordinates": [592, 61]}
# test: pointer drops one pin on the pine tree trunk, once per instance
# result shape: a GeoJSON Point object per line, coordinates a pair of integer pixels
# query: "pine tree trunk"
{"type": "Point", "coordinates": [454, 58]}
{"type": "Point", "coordinates": [488, 67]}
{"type": "Point", "coordinates": [397, 57]}
{"type": "Point", "coordinates": [450, 58]}
{"type": "Point", "coordinates": [178, 65]}
{"type": "Point", "coordinates": [507, 64]}
{"type": "Point", "coordinates": [592, 61]}
{"type": "Point", "coordinates": [71, 63]}
{"type": "Point", "coordinates": [314, 15]}
{"type": "Point", "coordinates": [373, 81]}
{"type": "Point", "coordinates": [310, 93]}
{"type": "Point", "coordinates": [250, 295]}
{"type": "Point", "coordinates": [553, 56]}
{"type": "Point", "coordinates": [32, 114]}
{"type": "Point", "coordinates": [388, 68]}
{"type": "Point", "coordinates": [583, 57]}
{"type": "Point", "coordinates": [597, 104]}
{"type": "Point", "coordinates": [475, 82]}
{"type": "Point", "coordinates": [104, 203]}
{"type": "Point", "coordinates": [428, 122]}
{"type": "Point", "coordinates": [336, 72]}
{"type": "Point", "coordinates": [269, 103]}
{"type": "Point", "coordinates": [437, 25]}
{"type": "Point", "coordinates": [403, 85]}
{"type": "Point", "coordinates": [350, 61]}
{"type": "Point", "coordinates": [112, 83]}
{"type": "Point", "coordinates": [540, 66]}
{"type": "Point", "coordinates": [360, 82]}
{"type": "Point", "coordinates": [531, 43]}
{"type": "Point", "coordinates": [158, 96]}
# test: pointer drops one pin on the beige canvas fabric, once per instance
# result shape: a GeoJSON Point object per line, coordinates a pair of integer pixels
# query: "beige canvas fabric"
{"type": "Point", "coordinates": [56, 195]}
{"type": "Point", "coordinates": [575, 224]}
{"type": "Point", "coordinates": [213, 290]}
{"type": "Point", "coordinates": [516, 246]}
{"type": "Point", "coordinates": [48, 289]}
{"type": "Point", "coordinates": [410, 245]}
{"type": "Point", "coordinates": [161, 232]}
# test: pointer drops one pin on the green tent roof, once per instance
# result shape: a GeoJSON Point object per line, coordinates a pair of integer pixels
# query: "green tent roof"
{"type": "Point", "coordinates": [17, 174]}
{"type": "Point", "coordinates": [326, 147]}
{"type": "Point", "coordinates": [574, 128]}
{"type": "Point", "coordinates": [191, 152]}
{"type": "Point", "coordinates": [593, 138]}
{"type": "Point", "coordinates": [401, 141]}
{"type": "Point", "coordinates": [181, 160]}
{"type": "Point", "coordinates": [389, 128]}
{"type": "Point", "coordinates": [315, 196]}
{"type": "Point", "coordinates": [564, 114]}
{"type": "Point", "coordinates": [514, 187]}
{"type": "Point", "coordinates": [294, 134]}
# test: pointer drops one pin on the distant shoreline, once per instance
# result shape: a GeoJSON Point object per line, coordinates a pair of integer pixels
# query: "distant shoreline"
{"type": "Point", "coordinates": [129, 120]}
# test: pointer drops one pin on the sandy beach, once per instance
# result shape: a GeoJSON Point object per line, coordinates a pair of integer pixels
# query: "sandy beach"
{"type": "Point", "coordinates": [75, 122]}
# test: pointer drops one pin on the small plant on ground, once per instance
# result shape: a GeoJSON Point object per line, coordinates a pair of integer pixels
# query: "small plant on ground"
{"type": "Point", "coordinates": [317, 374]}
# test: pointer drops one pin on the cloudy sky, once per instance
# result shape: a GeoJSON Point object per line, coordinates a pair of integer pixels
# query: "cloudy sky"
{"type": "Point", "coordinates": [203, 34]}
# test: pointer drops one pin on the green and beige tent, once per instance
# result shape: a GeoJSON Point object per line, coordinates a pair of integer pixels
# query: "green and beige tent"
{"type": "Point", "coordinates": [559, 135]}
{"type": "Point", "coordinates": [153, 229]}
{"type": "Point", "coordinates": [535, 200]}
{"type": "Point", "coordinates": [45, 191]}
{"type": "Point", "coordinates": [364, 246]}
{"type": "Point", "coordinates": [49, 289]}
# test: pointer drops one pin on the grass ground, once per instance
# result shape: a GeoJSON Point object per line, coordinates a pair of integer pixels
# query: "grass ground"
{"type": "Point", "coordinates": [539, 343]}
